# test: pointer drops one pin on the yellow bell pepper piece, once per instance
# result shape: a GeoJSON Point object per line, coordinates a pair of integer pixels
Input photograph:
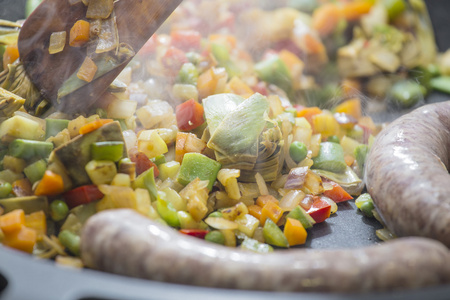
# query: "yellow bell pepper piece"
{"type": "Point", "coordinates": [295, 232]}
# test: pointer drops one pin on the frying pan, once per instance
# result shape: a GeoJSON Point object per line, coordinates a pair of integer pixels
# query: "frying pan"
{"type": "Point", "coordinates": [25, 277]}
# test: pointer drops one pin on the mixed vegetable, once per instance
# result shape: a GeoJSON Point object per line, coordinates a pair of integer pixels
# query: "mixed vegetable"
{"type": "Point", "coordinates": [243, 138]}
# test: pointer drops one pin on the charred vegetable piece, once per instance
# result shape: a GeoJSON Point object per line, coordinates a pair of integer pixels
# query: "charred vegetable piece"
{"type": "Point", "coordinates": [196, 165]}
{"type": "Point", "coordinates": [28, 149]}
{"type": "Point", "coordinates": [330, 158]}
{"type": "Point", "coordinates": [75, 154]}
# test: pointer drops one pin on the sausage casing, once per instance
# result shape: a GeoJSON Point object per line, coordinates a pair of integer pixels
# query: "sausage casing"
{"type": "Point", "coordinates": [124, 242]}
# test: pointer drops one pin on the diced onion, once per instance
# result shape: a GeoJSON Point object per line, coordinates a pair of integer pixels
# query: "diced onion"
{"type": "Point", "coordinates": [261, 184]}
{"type": "Point", "coordinates": [291, 200]}
{"type": "Point", "coordinates": [121, 109]}
{"type": "Point", "coordinates": [99, 9]}
{"type": "Point", "coordinates": [333, 204]}
{"type": "Point", "coordinates": [296, 178]}
{"type": "Point", "coordinates": [221, 223]}
{"type": "Point", "coordinates": [130, 138]}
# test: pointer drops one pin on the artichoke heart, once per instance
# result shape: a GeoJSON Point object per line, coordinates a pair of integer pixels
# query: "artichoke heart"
{"type": "Point", "coordinates": [9, 103]}
{"type": "Point", "coordinates": [242, 135]}
{"type": "Point", "coordinates": [351, 183]}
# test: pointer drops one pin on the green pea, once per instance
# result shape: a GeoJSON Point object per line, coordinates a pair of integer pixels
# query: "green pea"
{"type": "Point", "coordinates": [406, 93]}
{"type": "Point", "coordinates": [58, 210]}
{"type": "Point", "coordinates": [394, 7]}
{"type": "Point", "coordinates": [215, 236]}
{"type": "Point", "coordinates": [333, 139]}
{"type": "Point", "coordinates": [367, 208]}
{"type": "Point", "coordinates": [5, 189]}
{"type": "Point", "coordinates": [216, 214]}
{"type": "Point", "coordinates": [298, 151]}
{"type": "Point", "coordinates": [71, 241]}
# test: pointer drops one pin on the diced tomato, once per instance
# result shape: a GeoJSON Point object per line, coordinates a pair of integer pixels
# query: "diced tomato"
{"type": "Point", "coordinates": [189, 115]}
{"type": "Point", "coordinates": [320, 210]}
{"type": "Point", "coordinates": [174, 58]}
{"type": "Point", "coordinates": [150, 46]}
{"type": "Point", "coordinates": [198, 233]}
{"type": "Point", "coordinates": [186, 40]}
{"type": "Point", "coordinates": [261, 88]}
{"type": "Point", "coordinates": [82, 195]}
{"type": "Point", "coordinates": [143, 163]}
{"type": "Point", "coordinates": [337, 194]}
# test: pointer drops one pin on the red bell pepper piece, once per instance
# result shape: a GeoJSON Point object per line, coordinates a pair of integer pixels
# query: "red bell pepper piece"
{"type": "Point", "coordinates": [198, 233]}
{"type": "Point", "coordinates": [189, 115]}
{"type": "Point", "coordinates": [174, 58]}
{"type": "Point", "coordinates": [337, 194]}
{"type": "Point", "coordinates": [82, 195]}
{"type": "Point", "coordinates": [320, 210]}
{"type": "Point", "coordinates": [186, 40]}
{"type": "Point", "coordinates": [143, 163]}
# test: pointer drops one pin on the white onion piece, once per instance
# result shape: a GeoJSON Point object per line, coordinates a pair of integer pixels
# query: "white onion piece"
{"type": "Point", "coordinates": [221, 223]}
{"type": "Point", "coordinates": [57, 42]}
{"type": "Point", "coordinates": [296, 178]}
{"type": "Point", "coordinates": [130, 139]}
{"type": "Point", "coordinates": [291, 200]}
{"type": "Point", "coordinates": [333, 204]}
{"type": "Point", "coordinates": [121, 109]}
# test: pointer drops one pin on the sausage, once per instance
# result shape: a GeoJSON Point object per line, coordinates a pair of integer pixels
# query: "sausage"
{"type": "Point", "coordinates": [124, 242]}
{"type": "Point", "coordinates": [406, 173]}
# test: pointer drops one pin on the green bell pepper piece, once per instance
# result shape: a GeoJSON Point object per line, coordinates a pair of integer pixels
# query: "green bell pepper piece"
{"type": "Point", "coordinates": [188, 74]}
{"type": "Point", "coordinates": [27, 149]}
{"type": "Point", "coordinates": [36, 170]}
{"type": "Point", "coordinates": [108, 150]}
{"type": "Point", "coordinates": [300, 214]}
{"type": "Point", "coordinates": [255, 246]}
{"type": "Point", "coordinates": [275, 71]}
{"type": "Point", "coordinates": [198, 165]}
{"type": "Point", "coordinates": [273, 235]}
{"type": "Point", "coordinates": [330, 158]}
{"type": "Point", "coordinates": [54, 126]}
{"type": "Point", "coordinates": [146, 180]}
{"type": "Point", "coordinates": [166, 210]}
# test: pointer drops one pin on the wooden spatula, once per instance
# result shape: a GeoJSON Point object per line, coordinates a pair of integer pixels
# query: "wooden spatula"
{"type": "Point", "coordinates": [136, 21]}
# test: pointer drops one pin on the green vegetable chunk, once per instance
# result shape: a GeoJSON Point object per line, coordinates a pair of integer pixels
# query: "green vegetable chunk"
{"type": "Point", "coordinates": [166, 210]}
{"type": "Point", "coordinates": [273, 235]}
{"type": "Point", "coordinates": [300, 214]}
{"type": "Point", "coordinates": [71, 241]}
{"type": "Point", "coordinates": [36, 170]}
{"type": "Point", "coordinates": [255, 246]}
{"type": "Point", "coordinates": [441, 84]}
{"type": "Point", "coordinates": [58, 210]}
{"type": "Point", "coordinates": [188, 74]}
{"type": "Point", "coordinates": [215, 236]}
{"type": "Point", "coordinates": [146, 180]}
{"type": "Point", "coordinates": [298, 151]}
{"type": "Point", "coordinates": [330, 158]}
{"type": "Point", "coordinates": [54, 126]}
{"type": "Point", "coordinates": [365, 203]}
{"type": "Point", "coordinates": [28, 149]}
{"type": "Point", "coordinates": [108, 150]}
{"type": "Point", "coordinates": [198, 165]}
{"type": "Point", "coordinates": [394, 7]}
{"type": "Point", "coordinates": [275, 71]}
{"type": "Point", "coordinates": [333, 139]}
{"type": "Point", "coordinates": [361, 152]}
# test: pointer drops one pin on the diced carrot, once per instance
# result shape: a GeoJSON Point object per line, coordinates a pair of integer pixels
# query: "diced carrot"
{"type": "Point", "coordinates": [295, 232]}
{"type": "Point", "coordinates": [50, 185]}
{"type": "Point", "coordinates": [326, 18]}
{"type": "Point", "coordinates": [10, 55]}
{"type": "Point", "coordinates": [308, 113]}
{"type": "Point", "coordinates": [186, 40]}
{"type": "Point", "coordinates": [174, 58]}
{"type": "Point", "coordinates": [313, 45]}
{"type": "Point", "coordinates": [22, 187]}
{"type": "Point", "coordinates": [292, 61]}
{"type": "Point", "coordinates": [79, 33]}
{"type": "Point", "coordinates": [23, 239]}
{"type": "Point", "coordinates": [38, 222]}
{"type": "Point", "coordinates": [337, 194]}
{"type": "Point", "coordinates": [351, 107]}
{"type": "Point", "coordinates": [12, 221]}
{"type": "Point", "coordinates": [255, 210]}
{"type": "Point", "coordinates": [263, 199]}
{"type": "Point", "coordinates": [353, 11]}
{"type": "Point", "coordinates": [179, 146]}
{"type": "Point", "coordinates": [91, 126]}
{"type": "Point", "coordinates": [212, 81]}
{"type": "Point", "coordinates": [272, 211]}
{"type": "Point", "coordinates": [239, 87]}
{"type": "Point", "coordinates": [224, 39]}
{"type": "Point", "coordinates": [87, 70]}
{"type": "Point", "coordinates": [349, 159]}
{"type": "Point", "coordinates": [351, 87]}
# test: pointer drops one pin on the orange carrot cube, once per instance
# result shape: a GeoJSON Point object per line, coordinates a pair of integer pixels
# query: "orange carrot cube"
{"type": "Point", "coordinates": [12, 221]}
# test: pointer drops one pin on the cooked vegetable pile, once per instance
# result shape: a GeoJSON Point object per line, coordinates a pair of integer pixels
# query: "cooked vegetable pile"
{"type": "Point", "coordinates": [240, 137]}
